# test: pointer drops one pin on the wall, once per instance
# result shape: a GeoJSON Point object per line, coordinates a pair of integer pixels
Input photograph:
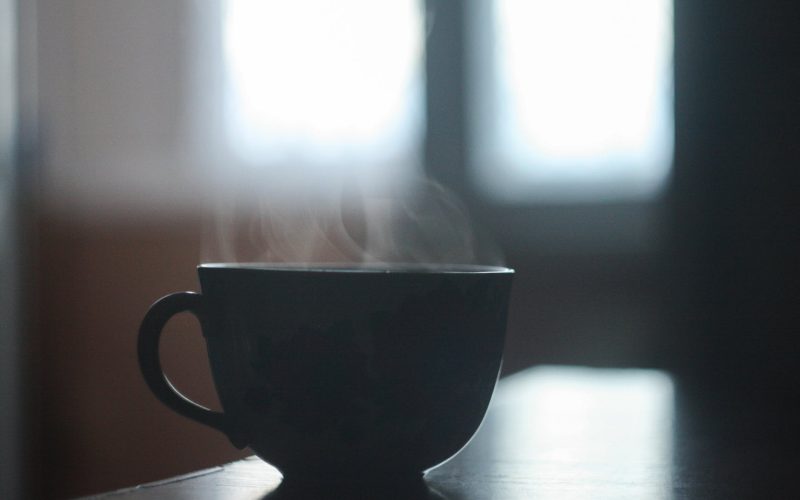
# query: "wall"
{"type": "Point", "coordinates": [101, 428]}
{"type": "Point", "coordinates": [735, 197]}
{"type": "Point", "coordinates": [116, 227]}
{"type": "Point", "coordinates": [10, 376]}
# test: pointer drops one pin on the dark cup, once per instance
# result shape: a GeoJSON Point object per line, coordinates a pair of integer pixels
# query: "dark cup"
{"type": "Point", "coordinates": [332, 373]}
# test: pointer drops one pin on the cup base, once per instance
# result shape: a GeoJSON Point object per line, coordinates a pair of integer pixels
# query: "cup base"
{"type": "Point", "coordinates": [367, 485]}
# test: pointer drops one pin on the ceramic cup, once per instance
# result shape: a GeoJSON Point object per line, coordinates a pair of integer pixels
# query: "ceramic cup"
{"type": "Point", "coordinates": [336, 372]}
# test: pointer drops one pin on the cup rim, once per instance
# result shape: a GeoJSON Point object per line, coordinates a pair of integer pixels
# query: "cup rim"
{"type": "Point", "coordinates": [357, 267]}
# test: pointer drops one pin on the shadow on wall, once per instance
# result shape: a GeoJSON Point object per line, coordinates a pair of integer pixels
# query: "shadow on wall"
{"type": "Point", "coordinates": [735, 208]}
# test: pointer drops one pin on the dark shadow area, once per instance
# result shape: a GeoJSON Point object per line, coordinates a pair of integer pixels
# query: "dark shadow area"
{"type": "Point", "coordinates": [734, 246]}
{"type": "Point", "coordinates": [734, 444]}
{"type": "Point", "coordinates": [734, 237]}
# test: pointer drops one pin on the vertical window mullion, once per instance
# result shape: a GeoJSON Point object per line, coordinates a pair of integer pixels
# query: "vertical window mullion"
{"type": "Point", "coordinates": [445, 82]}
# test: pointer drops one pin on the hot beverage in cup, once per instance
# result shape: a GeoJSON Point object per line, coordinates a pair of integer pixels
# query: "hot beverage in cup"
{"type": "Point", "coordinates": [338, 372]}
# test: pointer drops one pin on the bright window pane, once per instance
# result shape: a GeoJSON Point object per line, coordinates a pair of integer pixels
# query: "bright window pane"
{"type": "Point", "coordinates": [574, 99]}
{"type": "Point", "coordinates": [327, 84]}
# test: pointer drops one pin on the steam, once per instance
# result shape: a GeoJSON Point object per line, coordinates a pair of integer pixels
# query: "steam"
{"type": "Point", "coordinates": [410, 220]}
{"type": "Point", "coordinates": [333, 117]}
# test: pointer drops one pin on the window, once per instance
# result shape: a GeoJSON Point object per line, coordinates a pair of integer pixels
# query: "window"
{"type": "Point", "coordinates": [560, 128]}
{"type": "Point", "coordinates": [572, 99]}
{"type": "Point", "coordinates": [324, 86]}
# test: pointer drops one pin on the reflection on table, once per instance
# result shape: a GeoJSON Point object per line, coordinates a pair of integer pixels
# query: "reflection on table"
{"type": "Point", "coordinates": [564, 432]}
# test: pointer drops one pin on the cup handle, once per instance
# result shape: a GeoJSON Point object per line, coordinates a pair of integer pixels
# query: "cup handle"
{"type": "Point", "coordinates": [150, 361]}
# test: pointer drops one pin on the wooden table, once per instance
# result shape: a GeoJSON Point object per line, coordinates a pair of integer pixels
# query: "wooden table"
{"type": "Point", "coordinates": [564, 433]}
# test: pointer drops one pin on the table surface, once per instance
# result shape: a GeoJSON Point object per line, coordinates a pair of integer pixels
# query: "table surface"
{"type": "Point", "coordinates": [563, 433]}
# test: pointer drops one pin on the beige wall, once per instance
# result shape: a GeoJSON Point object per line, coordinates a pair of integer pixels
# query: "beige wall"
{"type": "Point", "coordinates": [99, 426]}
{"type": "Point", "coordinates": [118, 180]}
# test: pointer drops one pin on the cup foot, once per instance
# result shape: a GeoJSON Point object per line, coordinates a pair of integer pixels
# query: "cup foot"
{"type": "Point", "coordinates": [368, 485]}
